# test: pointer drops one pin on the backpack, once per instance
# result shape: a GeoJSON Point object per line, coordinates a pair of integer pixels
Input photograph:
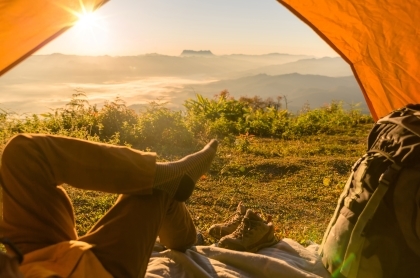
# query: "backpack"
{"type": "Point", "coordinates": [375, 229]}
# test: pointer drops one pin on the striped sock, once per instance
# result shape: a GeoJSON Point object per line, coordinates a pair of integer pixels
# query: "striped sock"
{"type": "Point", "coordinates": [178, 178]}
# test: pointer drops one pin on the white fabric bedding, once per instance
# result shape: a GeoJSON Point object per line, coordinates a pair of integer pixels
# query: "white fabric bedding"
{"type": "Point", "coordinates": [285, 259]}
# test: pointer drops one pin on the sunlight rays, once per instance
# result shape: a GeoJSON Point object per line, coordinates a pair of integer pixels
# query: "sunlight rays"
{"type": "Point", "coordinates": [89, 31]}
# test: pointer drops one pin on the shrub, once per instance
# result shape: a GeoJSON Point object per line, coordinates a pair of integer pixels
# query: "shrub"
{"type": "Point", "coordinates": [217, 117]}
{"type": "Point", "coordinates": [116, 118]}
{"type": "Point", "coordinates": [329, 119]}
{"type": "Point", "coordinates": [159, 126]}
{"type": "Point", "coordinates": [224, 116]}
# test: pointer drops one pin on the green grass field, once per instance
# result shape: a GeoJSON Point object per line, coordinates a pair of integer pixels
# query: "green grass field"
{"type": "Point", "coordinates": [297, 182]}
{"type": "Point", "coordinates": [289, 166]}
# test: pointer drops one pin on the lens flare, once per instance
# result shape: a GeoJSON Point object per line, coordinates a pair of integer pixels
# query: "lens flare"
{"type": "Point", "coordinates": [87, 20]}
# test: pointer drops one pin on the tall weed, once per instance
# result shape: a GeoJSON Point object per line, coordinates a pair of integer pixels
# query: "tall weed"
{"type": "Point", "coordinates": [224, 116]}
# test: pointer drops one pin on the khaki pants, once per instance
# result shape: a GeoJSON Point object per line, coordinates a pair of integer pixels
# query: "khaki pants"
{"type": "Point", "coordinates": [38, 213]}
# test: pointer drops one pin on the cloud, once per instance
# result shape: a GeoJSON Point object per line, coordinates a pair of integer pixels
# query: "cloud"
{"type": "Point", "coordinates": [40, 97]}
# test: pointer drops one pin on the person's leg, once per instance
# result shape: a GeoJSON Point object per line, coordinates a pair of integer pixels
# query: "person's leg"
{"type": "Point", "coordinates": [124, 238]}
{"type": "Point", "coordinates": [37, 212]}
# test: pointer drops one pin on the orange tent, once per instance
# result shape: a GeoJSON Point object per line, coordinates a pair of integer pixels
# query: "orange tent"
{"type": "Point", "coordinates": [26, 26]}
{"type": "Point", "coordinates": [380, 39]}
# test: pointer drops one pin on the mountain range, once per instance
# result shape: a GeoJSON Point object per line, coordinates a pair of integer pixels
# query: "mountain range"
{"type": "Point", "coordinates": [38, 82]}
{"type": "Point", "coordinates": [299, 89]}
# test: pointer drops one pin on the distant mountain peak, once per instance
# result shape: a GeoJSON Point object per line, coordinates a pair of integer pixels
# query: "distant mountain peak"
{"type": "Point", "coordinates": [197, 53]}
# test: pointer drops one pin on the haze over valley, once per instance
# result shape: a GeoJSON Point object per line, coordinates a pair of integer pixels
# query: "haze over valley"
{"type": "Point", "coordinates": [44, 82]}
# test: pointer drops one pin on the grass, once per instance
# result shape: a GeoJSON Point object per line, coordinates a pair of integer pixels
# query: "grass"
{"type": "Point", "coordinates": [294, 172]}
{"type": "Point", "coordinates": [297, 182]}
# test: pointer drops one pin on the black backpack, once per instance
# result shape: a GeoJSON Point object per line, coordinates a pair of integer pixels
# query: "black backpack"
{"type": "Point", "coordinates": [375, 229]}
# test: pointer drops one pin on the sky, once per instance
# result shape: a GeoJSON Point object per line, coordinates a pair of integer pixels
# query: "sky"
{"type": "Point", "coordinates": [136, 27]}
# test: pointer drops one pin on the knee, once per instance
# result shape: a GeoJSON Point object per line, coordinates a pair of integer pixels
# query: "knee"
{"type": "Point", "coordinates": [16, 148]}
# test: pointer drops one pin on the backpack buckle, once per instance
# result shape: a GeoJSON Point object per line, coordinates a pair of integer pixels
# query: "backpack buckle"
{"type": "Point", "coordinates": [390, 175]}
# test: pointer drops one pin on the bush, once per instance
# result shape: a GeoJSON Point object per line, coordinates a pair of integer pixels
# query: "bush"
{"type": "Point", "coordinates": [217, 117]}
{"type": "Point", "coordinates": [224, 116]}
{"type": "Point", "coordinates": [117, 121]}
{"type": "Point", "coordinates": [159, 126]}
{"type": "Point", "coordinates": [330, 119]}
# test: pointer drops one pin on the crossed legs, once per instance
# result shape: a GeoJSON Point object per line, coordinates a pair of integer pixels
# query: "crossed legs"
{"type": "Point", "coordinates": [38, 213]}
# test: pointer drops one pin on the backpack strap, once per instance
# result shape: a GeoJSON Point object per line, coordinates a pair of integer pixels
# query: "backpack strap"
{"type": "Point", "coordinates": [357, 239]}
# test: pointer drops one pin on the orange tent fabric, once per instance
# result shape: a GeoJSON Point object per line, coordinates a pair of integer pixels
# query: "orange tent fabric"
{"type": "Point", "coordinates": [380, 39]}
{"type": "Point", "coordinates": [26, 26]}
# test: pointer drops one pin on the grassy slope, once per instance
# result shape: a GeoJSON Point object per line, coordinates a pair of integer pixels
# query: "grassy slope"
{"type": "Point", "coordinates": [295, 181]}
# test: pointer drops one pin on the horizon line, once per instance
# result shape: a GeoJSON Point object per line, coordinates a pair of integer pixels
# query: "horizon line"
{"type": "Point", "coordinates": [180, 55]}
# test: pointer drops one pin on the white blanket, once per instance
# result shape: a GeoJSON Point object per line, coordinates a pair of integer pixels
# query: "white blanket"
{"type": "Point", "coordinates": [285, 259]}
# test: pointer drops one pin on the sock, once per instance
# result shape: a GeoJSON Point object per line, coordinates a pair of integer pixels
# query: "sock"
{"type": "Point", "coordinates": [178, 178]}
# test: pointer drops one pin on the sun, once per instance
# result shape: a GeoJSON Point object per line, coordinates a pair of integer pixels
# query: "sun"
{"type": "Point", "coordinates": [87, 20]}
{"type": "Point", "coordinates": [90, 30]}
{"type": "Point", "coordinates": [89, 25]}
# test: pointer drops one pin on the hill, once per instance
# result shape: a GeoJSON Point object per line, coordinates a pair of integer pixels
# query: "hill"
{"type": "Point", "coordinates": [328, 66]}
{"type": "Point", "coordinates": [46, 81]}
{"type": "Point", "coordinates": [101, 69]}
{"type": "Point", "coordinates": [205, 53]}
